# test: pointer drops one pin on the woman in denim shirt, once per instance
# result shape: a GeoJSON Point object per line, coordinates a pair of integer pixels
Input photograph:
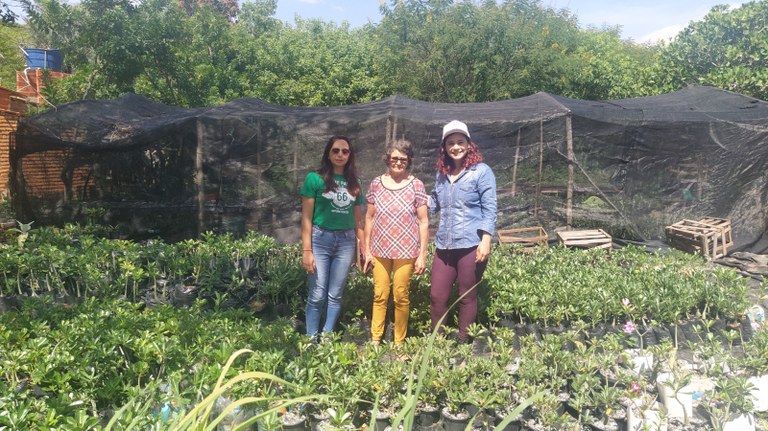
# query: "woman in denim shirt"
{"type": "Point", "coordinates": [465, 197]}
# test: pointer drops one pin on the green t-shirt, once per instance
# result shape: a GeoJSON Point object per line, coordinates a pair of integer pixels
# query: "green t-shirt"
{"type": "Point", "coordinates": [333, 210]}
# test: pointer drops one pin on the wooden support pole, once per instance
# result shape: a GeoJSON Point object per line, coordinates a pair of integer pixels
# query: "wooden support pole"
{"type": "Point", "coordinates": [699, 178]}
{"type": "Point", "coordinates": [571, 157]}
{"type": "Point", "coordinates": [514, 166]}
{"type": "Point", "coordinates": [199, 182]}
{"type": "Point", "coordinates": [394, 131]}
{"type": "Point", "coordinates": [295, 169]}
{"type": "Point", "coordinates": [541, 168]}
{"type": "Point", "coordinates": [259, 170]}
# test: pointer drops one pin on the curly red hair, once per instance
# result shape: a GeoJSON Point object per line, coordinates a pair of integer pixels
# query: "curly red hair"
{"type": "Point", "coordinates": [445, 162]}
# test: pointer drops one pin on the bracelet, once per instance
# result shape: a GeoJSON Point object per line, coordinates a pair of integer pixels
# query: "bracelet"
{"type": "Point", "coordinates": [307, 249]}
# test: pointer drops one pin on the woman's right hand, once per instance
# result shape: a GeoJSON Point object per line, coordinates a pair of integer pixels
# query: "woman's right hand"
{"type": "Point", "coordinates": [308, 261]}
{"type": "Point", "coordinates": [368, 264]}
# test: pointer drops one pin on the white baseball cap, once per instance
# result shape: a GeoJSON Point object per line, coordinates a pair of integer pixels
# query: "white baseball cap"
{"type": "Point", "coordinates": [455, 126]}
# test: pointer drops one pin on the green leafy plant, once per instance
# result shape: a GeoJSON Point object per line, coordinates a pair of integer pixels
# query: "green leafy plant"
{"type": "Point", "coordinates": [729, 399]}
{"type": "Point", "coordinates": [23, 231]}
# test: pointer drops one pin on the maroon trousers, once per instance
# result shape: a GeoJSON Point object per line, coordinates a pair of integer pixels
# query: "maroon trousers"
{"type": "Point", "coordinates": [449, 266]}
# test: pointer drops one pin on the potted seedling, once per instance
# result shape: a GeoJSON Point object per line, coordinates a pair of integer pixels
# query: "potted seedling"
{"type": "Point", "coordinates": [387, 386]}
{"type": "Point", "coordinates": [643, 412]}
{"type": "Point", "coordinates": [730, 405]}
{"type": "Point", "coordinates": [427, 406]}
{"type": "Point", "coordinates": [673, 378]}
{"type": "Point", "coordinates": [456, 393]}
{"type": "Point", "coordinates": [754, 363]}
{"type": "Point", "coordinates": [337, 418]}
{"type": "Point", "coordinates": [675, 393]}
{"type": "Point", "coordinates": [546, 413]}
{"type": "Point", "coordinates": [293, 419]}
{"type": "Point", "coordinates": [606, 400]}
{"type": "Point", "coordinates": [581, 401]}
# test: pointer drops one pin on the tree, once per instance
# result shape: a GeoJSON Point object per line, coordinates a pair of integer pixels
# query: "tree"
{"type": "Point", "coordinates": [189, 53]}
{"type": "Point", "coordinates": [727, 49]}
{"type": "Point", "coordinates": [157, 49]}
{"type": "Point", "coordinates": [12, 36]}
{"type": "Point", "coordinates": [7, 16]}
{"type": "Point", "coordinates": [615, 68]}
{"type": "Point", "coordinates": [312, 64]}
{"type": "Point", "coordinates": [470, 52]}
{"type": "Point", "coordinates": [255, 17]}
{"type": "Point", "coordinates": [228, 8]}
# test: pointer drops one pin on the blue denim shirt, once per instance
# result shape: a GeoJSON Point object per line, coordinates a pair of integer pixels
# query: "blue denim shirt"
{"type": "Point", "coordinates": [467, 207]}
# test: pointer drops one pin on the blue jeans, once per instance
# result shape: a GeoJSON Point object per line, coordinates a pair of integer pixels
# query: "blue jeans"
{"type": "Point", "coordinates": [334, 253]}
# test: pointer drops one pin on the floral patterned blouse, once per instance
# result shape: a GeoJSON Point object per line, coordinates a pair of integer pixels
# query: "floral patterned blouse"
{"type": "Point", "coordinates": [395, 233]}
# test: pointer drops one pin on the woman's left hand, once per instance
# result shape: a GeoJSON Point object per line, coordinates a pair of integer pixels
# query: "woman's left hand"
{"type": "Point", "coordinates": [483, 251]}
{"type": "Point", "coordinates": [421, 264]}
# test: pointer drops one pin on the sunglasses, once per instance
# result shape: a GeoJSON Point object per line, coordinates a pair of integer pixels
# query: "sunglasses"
{"type": "Point", "coordinates": [344, 151]}
{"type": "Point", "coordinates": [394, 160]}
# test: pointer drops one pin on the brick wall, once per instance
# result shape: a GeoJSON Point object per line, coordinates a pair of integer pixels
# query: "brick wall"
{"type": "Point", "coordinates": [43, 174]}
{"type": "Point", "coordinates": [42, 171]}
{"type": "Point", "coordinates": [12, 106]}
{"type": "Point", "coordinates": [12, 101]}
{"type": "Point", "coordinates": [29, 82]}
{"type": "Point", "coordinates": [8, 122]}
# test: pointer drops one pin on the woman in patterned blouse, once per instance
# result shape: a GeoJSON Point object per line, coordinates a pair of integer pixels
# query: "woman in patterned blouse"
{"type": "Point", "coordinates": [396, 232]}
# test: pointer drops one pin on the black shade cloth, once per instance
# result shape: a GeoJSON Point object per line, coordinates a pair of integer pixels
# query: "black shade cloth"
{"type": "Point", "coordinates": [638, 164]}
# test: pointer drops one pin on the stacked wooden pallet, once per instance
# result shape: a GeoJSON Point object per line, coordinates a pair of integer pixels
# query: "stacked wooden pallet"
{"type": "Point", "coordinates": [711, 236]}
{"type": "Point", "coordinates": [527, 237]}
{"type": "Point", "coordinates": [590, 238]}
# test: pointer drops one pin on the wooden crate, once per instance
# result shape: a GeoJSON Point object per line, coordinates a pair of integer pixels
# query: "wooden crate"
{"type": "Point", "coordinates": [590, 238]}
{"type": "Point", "coordinates": [724, 225]}
{"type": "Point", "coordinates": [528, 237]}
{"type": "Point", "coordinates": [711, 237]}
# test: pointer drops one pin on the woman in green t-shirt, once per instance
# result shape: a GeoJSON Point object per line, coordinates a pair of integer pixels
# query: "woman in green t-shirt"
{"type": "Point", "coordinates": [331, 224]}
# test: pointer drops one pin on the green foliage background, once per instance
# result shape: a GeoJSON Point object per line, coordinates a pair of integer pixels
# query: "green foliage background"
{"type": "Point", "coordinates": [208, 53]}
{"type": "Point", "coordinates": [11, 58]}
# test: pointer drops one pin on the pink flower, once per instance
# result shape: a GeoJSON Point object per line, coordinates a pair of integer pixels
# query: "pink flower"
{"type": "Point", "coordinates": [629, 327]}
{"type": "Point", "coordinates": [634, 389]}
{"type": "Point", "coordinates": [625, 302]}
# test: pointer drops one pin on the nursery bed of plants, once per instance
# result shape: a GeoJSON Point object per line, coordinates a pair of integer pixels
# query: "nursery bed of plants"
{"type": "Point", "coordinates": [100, 333]}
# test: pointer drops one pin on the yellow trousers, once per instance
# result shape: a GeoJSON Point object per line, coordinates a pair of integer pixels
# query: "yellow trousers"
{"type": "Point", "coordinates": [400, 271]}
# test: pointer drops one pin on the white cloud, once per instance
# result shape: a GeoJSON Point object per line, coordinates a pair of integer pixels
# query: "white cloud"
{"type": "Point", "coordinates": [643, 21]}
{"type": "Point", "coordinates": [666, 33]}
{"type": "Point", "coordinates": [669, 32]}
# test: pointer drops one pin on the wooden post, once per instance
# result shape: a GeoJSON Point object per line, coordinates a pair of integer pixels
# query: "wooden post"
{"type": "Point", "coordinates": [258, 170]}
{"type": "Point", "coordinates": [514, 166]}
{"type": "Point", "coordinates": [541, 167]}
{"type": "Point", "coordinates": [569, 192]}
{"type": "Point", "coordinates": [296, 145]}
{"type": "Point", "coordinates": [394, 131]}
{"type": "Point", "coordinates": [199, 183]}
{"type": "Point", "coordinates": [699, 178]}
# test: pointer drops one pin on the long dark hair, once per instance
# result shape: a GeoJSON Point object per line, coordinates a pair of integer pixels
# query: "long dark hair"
{"type": "Point", "coordinates": [445, 162]}
{"type": "Point", "coordinates": [350, 172]}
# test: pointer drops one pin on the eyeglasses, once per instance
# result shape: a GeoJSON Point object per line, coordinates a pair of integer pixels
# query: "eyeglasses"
{"type": "Point", "coordinates": [394, 160]}
{"type": "Point", "coordinates": [344, 151]}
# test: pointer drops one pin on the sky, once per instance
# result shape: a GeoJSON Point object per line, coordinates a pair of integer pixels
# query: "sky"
{"type": "Point", "coordinates": [641, 20]}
